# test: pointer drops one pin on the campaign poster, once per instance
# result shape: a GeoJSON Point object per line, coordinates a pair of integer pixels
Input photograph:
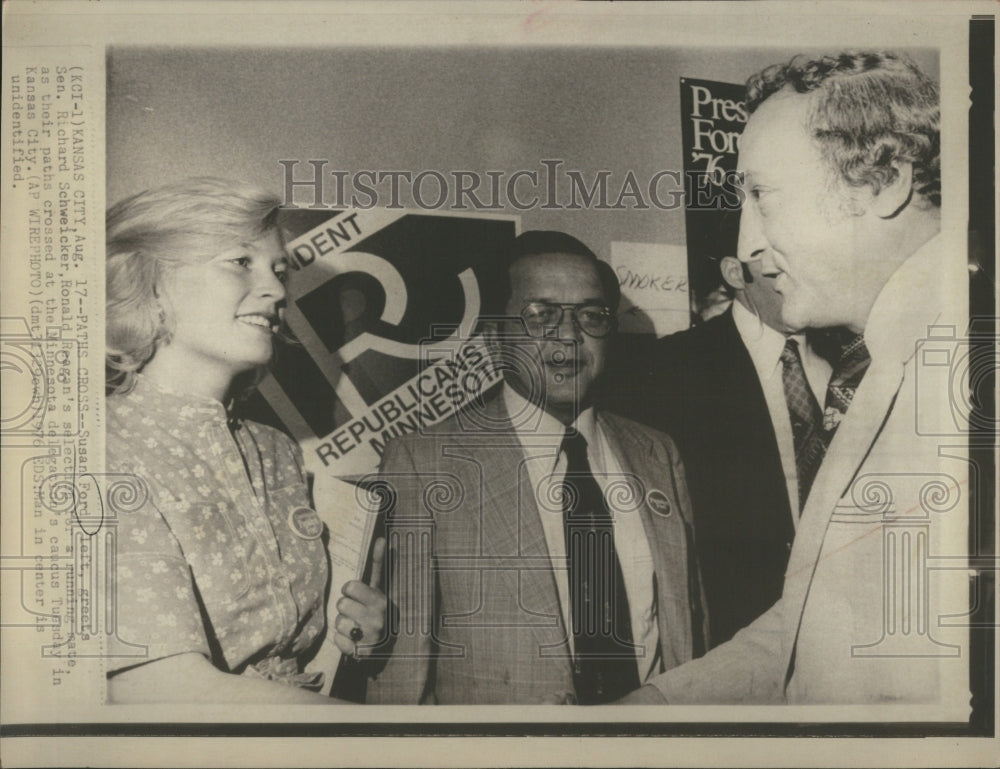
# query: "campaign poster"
{"type": "Point", "coordinates": [383, 308]}
{"type": "Point", "coordinates": [712, 118]}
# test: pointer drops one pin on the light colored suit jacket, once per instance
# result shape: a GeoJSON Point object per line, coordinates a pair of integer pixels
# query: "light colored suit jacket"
{"type": "Point", "coordinates": [876, 589]}
{"type": "Point", "coordinates": [478, 610]}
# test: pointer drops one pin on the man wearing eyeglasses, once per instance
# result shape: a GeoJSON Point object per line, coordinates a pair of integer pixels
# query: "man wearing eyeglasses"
{"type": "Point", "coordinates": [560, 566]}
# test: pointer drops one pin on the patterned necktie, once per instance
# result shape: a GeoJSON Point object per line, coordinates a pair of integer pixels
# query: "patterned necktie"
{"type": "Point", "coordinates": [604, 666]}
{"type": "Point", "coordinates": [847, 375]}
{"type": "Point", "coordinates": [806, 417]}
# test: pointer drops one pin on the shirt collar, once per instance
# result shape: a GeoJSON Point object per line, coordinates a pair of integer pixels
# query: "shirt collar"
{"type": "Point", "coordinates": [160, 402]}
{"type": "Point", "coordinates": [534, 424]}
{"type": "Point", "coordinates": [763, 343]}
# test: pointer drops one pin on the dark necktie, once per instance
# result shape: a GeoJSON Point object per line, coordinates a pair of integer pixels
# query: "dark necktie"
{"type": "Point", "coordinates": [806, 417]}
{"type": "Point", "coordinates": [847, 374]}
{"type": "Point", "coordinates": [604, 659]}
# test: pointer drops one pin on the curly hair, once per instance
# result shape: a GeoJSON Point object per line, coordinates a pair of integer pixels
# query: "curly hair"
{"type": "Point", "coordinates": [869, 111]}
{"type": "Point", "coordinates": [152, 232]}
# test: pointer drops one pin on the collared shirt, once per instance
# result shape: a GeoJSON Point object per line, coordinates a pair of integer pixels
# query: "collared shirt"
{"type": "Point", "coordinates": [765, 344]}
{"type": "Point", "coordinates": [218, 550]}
{"type": "Point", "coordinates": [547, 464]}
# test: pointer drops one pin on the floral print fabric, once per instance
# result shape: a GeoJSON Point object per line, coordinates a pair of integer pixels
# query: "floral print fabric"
{"type": "Point", "coordinates": [225, 557]}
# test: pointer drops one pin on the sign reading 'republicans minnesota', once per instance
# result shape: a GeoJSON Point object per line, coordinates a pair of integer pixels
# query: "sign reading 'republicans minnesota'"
{"type": "Point", "coordinates": [383, 306]}
{"type": "Point", "coordinates": [712, 118]}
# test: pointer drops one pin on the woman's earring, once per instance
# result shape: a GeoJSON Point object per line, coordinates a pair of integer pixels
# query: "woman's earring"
{"type": "Point", "coordinates": [163, 334]}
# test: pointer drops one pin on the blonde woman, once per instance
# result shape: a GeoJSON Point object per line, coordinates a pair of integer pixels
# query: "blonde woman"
{"type": "Point", "coordinates": [222, 571]}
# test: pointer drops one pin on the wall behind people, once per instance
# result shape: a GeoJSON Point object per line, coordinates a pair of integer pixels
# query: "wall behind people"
{"type": "Point", "coordinates": [236, 112]}
{"type": "Point", "coordinates": [177, 112]}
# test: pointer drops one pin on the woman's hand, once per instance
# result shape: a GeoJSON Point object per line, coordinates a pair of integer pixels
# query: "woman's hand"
{"type": "Point", "coordinates": [558, 698]}
{"type": "Point", "coordinates": [361, 610]}
{"type": "Point", "coordinates": [190, 678]}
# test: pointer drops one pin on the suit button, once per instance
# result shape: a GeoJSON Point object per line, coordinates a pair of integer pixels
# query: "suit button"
{"type": "Point", "coordinates": [788, 545]}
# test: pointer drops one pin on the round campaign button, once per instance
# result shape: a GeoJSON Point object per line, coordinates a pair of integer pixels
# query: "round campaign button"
{"type": "Point", "coordinates": [657, 500]}
{"type": "Point", "coordinates": [306, 523]}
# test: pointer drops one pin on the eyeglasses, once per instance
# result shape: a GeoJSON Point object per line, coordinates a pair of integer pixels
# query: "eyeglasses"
{"type": "Point", "coordinates": [543, 318]}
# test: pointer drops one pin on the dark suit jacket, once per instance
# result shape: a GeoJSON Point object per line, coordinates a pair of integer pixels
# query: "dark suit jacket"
{"type": "Point", "coordinates": [700, 387]}
{"type": "Point", "coordinates": [478, 608]}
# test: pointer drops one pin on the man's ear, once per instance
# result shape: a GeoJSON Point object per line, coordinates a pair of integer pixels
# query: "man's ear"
{"type": "Point", "coordinates": [892, 198]}
{"type": "Point", "coordinates": [732, 272]}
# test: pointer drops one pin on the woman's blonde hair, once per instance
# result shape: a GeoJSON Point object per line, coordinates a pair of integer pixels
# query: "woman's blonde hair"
{"type": "Point", "coordinates": [152, 232]}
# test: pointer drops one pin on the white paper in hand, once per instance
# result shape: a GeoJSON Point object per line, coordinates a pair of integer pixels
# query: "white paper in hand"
{"type": "Point", "coordinates": [349, 514]}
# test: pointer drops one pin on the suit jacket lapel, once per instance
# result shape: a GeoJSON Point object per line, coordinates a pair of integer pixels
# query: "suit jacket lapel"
{"type": "Point", "coordinates": [512, 533]}
{"type": "Point", "coordinates": [661, 532]}
{"type": "Point", "coordinates": [844, 457]}
{"type": "Point", "coordinates": [746, 416]}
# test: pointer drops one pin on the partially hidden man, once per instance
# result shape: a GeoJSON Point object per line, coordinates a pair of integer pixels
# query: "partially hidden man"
{"type": "Point", "coordinates": [542, 551]}
{"type": "Point", "coordinates": [741, 395]}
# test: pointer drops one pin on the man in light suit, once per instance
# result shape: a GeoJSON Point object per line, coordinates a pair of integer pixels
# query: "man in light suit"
{"type": "Point", "coordinates": [841, 164]}
{"type": "Point", "coordinates": [719, 390]}
{"type": "Point", "coordinates": [493, 514]}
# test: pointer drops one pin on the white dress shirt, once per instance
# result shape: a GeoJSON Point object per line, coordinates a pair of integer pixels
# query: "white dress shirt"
{"type": "Point", "coordinates": [765, 345]}
{"type": "Point", "coordinates": [546, 464]}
